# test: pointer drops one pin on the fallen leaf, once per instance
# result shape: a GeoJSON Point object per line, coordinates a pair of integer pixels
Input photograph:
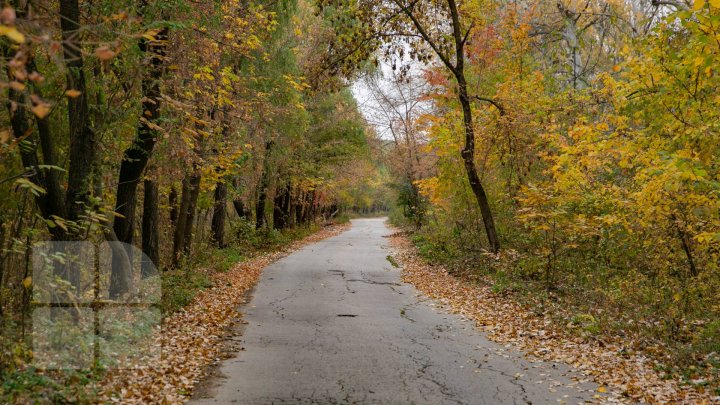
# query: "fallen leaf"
{"type": "Point", "coordinates": [12, 33]}
{"type": "Point", "coordinates": [17, 86]}
{"type": "Point", "coordinates": [104, 53]}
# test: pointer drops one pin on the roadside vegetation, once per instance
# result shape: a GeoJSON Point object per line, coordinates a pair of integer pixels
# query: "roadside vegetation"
{"type": "Point", "coordinates": [568, 156]}
{"type": "Point", "coordinates": [202, 133]}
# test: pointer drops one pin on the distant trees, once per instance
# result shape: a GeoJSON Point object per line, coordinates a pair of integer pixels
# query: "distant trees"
{"type": "Point", "coordinates": [433, 31]}
{"type": "Point", "coordinates": [399, 105]}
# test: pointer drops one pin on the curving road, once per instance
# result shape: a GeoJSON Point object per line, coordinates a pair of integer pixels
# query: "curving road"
{"type": "Point", "coordinates": [333, 323]}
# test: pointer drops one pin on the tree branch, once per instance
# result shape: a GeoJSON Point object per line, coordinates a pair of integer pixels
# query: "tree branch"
{"type": "Point", "coordinates": [497, 105]}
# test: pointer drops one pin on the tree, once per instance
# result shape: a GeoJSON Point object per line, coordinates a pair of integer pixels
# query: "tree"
{"type": "Point", "coordinates": [437, 29]}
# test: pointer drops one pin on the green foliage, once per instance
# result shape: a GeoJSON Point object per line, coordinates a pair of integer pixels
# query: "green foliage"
{"type": "Point", "coordinates": [180, 286]}
{"type": "Point", "coordinates": [392, 261]}
{"type": "Point", "coordinates": [59, 387]}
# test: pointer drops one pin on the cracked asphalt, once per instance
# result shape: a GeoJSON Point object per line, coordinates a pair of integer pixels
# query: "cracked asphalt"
{"type": "Point", "coordinates": [333, 324]}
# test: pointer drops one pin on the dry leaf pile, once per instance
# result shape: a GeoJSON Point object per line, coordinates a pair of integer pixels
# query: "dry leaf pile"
{"type": "Point", "coordinates": [630, 377]}
{"type": "Point", "coordinates": [191, 338]}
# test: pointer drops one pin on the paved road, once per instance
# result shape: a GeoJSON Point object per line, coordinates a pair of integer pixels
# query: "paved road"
{"type": "Point", "coordinates": [332, 323]}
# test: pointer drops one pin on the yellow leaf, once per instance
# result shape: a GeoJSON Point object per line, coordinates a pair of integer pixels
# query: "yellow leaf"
{"type": "Point", "coordinates": [698, 4]}
{"type": "Point", "coordinates": [41, 110]}
{"type": "Point", "coordinates": [151, 34]}
{"type": "Point", "coordinates": [27, 282]}
{"type": "Point", "coordinates": [715, 3]}
{"type": "Point", "coordinates": [602, 389]}
{"type": "Point", "coordinates": [73, 93]}
{"type": "Point", "coordinates": [12, 33]}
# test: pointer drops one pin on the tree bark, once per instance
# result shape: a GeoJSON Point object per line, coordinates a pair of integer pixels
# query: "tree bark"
{"type": "Point", "coordinates": [300, 200]}
{"type": "Point", "coordinates": [468, 155]}
{"type": "Point", "coordinates": [191, 210]}
{"type": "Point", "coordinates": [150, 229]}
{"type": "Point", "coordinates": [172, 202]}
{"type": "Point", "coordinates": [136, 157]}
{"type": "Point", "coordinates": [180, 227]}
{"type": "Point", "coordinates": [219, 214]}
{"type": "Point", "coordinates": [281, 208]}
{"type": "Point", "coordinates": [262, 188]}
{"type": "Point", "coordinates": [182, 239]}
{"type": "Point", "coordinates": [260, 206]}
{"type": "Point", "coordinates": [82, 137]}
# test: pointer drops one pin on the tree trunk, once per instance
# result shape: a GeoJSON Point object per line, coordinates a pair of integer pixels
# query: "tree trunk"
{"type": "Point", "coordinates": [180, 223]}
{"type": "Point", "coordinates": [292, 213]}
{"type": "Point", "coordinates": [172, 202]}
{"type": "Point", "coordinates": [136, 157]}
{"type": "Point", "coordinates": [219, 214]}
{"type": "Point", "coordinates": [262, 188]}
{"type": "Point", "coordinates": [281, 208]}
{"type": "Point", "coordinates": [121, 264]}
{"type": "Point", "coordinates": [150, 229]}
{"type": "Point", "coordinates": [468, 152]}
{"type": "Point", "coordinates": [308, 209]}
{"type": "Point", "coordinates": [468, 155]}
{"type": "Point", "coordinates": [82, 136]}
{"type": "Point", "coordinates": [300, 200]}
{"type": "Point", "coordinates": [191, 210]}
{"type": "Point", "coordinates": [260, 206]}
{"type": "Point", "coordinates": [182, 239]}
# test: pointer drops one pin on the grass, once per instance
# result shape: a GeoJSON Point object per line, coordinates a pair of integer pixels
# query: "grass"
{"type": "Point", "coordinates": [59, 387]}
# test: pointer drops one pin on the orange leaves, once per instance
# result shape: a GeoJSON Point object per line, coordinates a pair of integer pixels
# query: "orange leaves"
{"type": "Point", "coordinates": [41, 110]}
{"type": "Point", "coordinates": [104, 53]}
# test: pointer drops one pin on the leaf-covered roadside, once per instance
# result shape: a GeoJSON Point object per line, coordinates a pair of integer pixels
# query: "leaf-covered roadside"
{"type": "Point", "coordinates": [631, 377]}
{"type": "Point", "coordinates": [192, 337]}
